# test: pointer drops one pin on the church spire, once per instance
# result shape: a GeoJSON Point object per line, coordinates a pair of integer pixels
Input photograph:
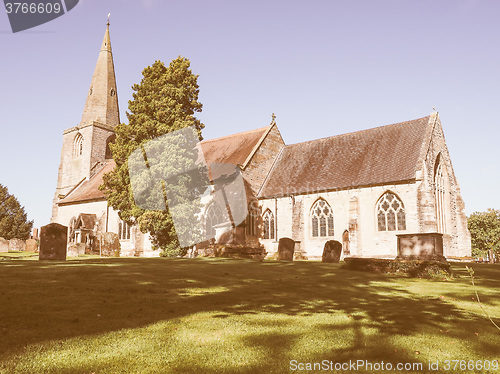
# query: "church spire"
{"type": "Point", "coordinates": [102, 99]}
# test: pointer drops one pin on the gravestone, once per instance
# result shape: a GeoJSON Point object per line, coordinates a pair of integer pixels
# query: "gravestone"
{"type": "Point", "coordinates": [286, 247]}
{"type": "Point", "coordinates": [421, 246]}
{"type": "Point", "coordinates": [4, 245]}
{"type": "Point", "coordinates": [17, 245]}
{"type": "Point", "coordinates": [31, 245]}
{"type": "Point", "coordinates": [53, 240]}
{"type": "Point", "coordinates": [332, 251]}
{"type": "Point", "coordinates": [76, 249]}
{"type": "Point", "coordinates": [110, 246]}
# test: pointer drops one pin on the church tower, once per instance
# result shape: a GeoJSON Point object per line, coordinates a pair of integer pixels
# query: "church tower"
{"type": "Point", "coordinates": [86, 146]}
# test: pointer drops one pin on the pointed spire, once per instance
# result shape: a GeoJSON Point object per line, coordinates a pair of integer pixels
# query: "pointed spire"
{"type": "Point", "coordinates": [102, 99]}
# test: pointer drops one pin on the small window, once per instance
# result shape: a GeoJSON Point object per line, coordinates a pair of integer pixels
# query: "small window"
{"type": "Point", "coordinates": [112, 92]}
{"type": "Point", "coordinates": [321, 219]}
{"type": "Point", "coordinates": [91, 90]}
{"type": "Point", "coordinates": [268, 222]}
{"type": "Point", "coordinates": [390, 213]}
{"type": "Point", "coordinates": [78, 145]}
{"type": "Point", "coordinates": [123, 230]}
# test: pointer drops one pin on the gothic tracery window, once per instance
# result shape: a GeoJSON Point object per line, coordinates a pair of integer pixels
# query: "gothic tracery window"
{"type": "Point", "coordinates": [439, 182]}
{"type": "Point", "coordinates": [391, 214]}
{"type": "Point", "coordinates": [213, 217]}
{"type": "Point", "coordinates": [78, 145]}
{"type": "Point", "coordinates": [321, 219]}
{"type": "Point", "coordinates": [268, 223]}
{"type": "Point", "coordinates": [123, 230]}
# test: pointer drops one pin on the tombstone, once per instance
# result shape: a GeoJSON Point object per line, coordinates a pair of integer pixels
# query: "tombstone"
{"type": "Point", "coordinates": [110, 245]}
{"type": "Point", "coordinates": [76, 249]}
{"type": "Point", "coordinates": [421, 246]}
{"type": "Point", "coordinates": [4, 245]}
{"type": "Point", "coordinates": [286, 247]}
{"type": "Point", "coordinates": [17, 245]}
{"type": "Point", "coordinates": [31, 245]}
{"type": "Point", "coordinates": [53, 241]}
{"type": "Point", "coordinates": [332, 251]}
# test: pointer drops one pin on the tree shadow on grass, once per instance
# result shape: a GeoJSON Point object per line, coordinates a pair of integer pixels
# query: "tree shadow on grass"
{"type": "Point", "coordinates": [42, 302]}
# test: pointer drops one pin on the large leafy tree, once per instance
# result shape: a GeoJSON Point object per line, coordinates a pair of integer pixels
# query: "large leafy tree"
{"type": "Point", "coordinates": [484, 228]}
{"type": "Point", "coordinates": [13, 219]}
{"type": "Point", "coordinates": [165, 100]}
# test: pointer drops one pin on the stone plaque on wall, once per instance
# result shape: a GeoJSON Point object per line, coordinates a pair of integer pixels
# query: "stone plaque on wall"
{"type": "Point", "coordinates": [53, 240]}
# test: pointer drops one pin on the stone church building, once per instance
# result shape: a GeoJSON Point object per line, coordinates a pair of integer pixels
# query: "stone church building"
{"type": "Point", "coordinates": [362, 189]}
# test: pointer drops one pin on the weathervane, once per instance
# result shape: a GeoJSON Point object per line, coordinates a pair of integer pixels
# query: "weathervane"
{"type": "Point", "coordinates": [108, 18]}
{"type": "Point", "coordinates": [273, 116]}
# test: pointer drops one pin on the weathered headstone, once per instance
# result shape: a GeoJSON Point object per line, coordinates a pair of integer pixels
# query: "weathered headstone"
{"type": "Point", "coordinates": [76, 249]}
{"type": "Point", "coordinates": [31, 245]}
{"type": "Point", "coordinates": [17, 245]}
{"type": "Point", "coordinates": [332, 251]}
{"type": "Point", "coordinates": [110, 246]}
{"type": "Point", "coordinates": [53, 240]}
{"type": "Point", "coordinates": [4, 245]}
{"type": "Point", "coordinates": [286, 247]}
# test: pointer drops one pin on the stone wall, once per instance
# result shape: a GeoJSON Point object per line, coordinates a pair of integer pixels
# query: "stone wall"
{"type": "Point", "coordinates": [366, 241]}
{"type": "Point", "coordinates": [258, 168]}
{"type": "Point", "coordinates": [456, 239]}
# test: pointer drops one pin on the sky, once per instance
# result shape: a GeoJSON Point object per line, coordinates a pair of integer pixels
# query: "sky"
{"type": "Point", "coordinates": [323, 67]}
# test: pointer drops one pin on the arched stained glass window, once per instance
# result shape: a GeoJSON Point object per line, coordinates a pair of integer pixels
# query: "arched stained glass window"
{"type": "Point", "coordinates": [390, 213]}
{"type": "Point", "coordinates": [268, 223]}
{"type": "Point", "coordinates": [321, 219]}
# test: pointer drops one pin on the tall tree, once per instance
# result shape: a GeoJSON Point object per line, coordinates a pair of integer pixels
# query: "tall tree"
{"type": "Point", "coordinates": [13, 219]}
{"type": "Point", "coordinates": [484, 228]}
{"type": "Point", "coordinates": [164, 101]}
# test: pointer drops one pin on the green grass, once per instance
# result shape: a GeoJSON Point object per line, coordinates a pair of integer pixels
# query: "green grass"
{"type": "Point", "coordinates": [14, 255]}
{"type": "Point", "coordinates": [234, 316]}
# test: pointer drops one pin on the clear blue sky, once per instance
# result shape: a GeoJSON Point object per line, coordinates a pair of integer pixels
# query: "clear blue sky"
{"type": "Point", "coordinates": [324, 67]}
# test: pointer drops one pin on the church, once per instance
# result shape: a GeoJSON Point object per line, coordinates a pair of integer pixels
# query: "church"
{"type": "Point", "coordinates": [363, 189]}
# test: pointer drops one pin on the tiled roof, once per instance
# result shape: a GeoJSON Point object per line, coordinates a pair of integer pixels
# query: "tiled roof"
{"type": "Point", "coordinates": [232, 149]}
{"type": "Point", "coordinates": [89, 189]}
{"type": "Point", "coordinates": [380, 155]}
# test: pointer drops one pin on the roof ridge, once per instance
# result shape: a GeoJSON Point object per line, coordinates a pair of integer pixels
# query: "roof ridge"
{"type": "Point", "coordinates": [357, 132]}
{"type": "Point", "coordinates": [236, 134]}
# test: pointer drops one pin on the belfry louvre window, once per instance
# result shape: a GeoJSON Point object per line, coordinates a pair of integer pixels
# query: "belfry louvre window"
{"type": "Point", "coordinates": [78, 145]}
{"type": "Point", "coordinates": [390, 213]}
{"type": "Point", "coordinates": [123, 230]}
{"type": "Point", "coordinates": [321, 219]}
{"type": "Point", "coordinates": [268, 222]}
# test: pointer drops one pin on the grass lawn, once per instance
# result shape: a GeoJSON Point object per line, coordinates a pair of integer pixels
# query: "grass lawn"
{"type": "Point", "coordinates": [138, 315]}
